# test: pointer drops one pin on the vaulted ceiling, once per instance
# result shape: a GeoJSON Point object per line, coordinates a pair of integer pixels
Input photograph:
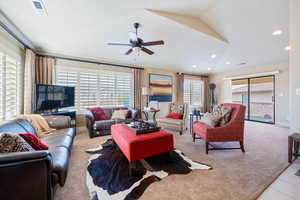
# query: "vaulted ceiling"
{"type": "Point", "coordinates": [236, 31]}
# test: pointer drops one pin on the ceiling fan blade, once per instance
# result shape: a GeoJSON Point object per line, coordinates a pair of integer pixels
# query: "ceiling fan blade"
{"type": "Point", "coordinates": [118, 44]}
{"type": "Point", "coordinates": [133, 36]}
{"type": "Point", "coordinates": [128, 52]}
{"type": "Point", "coordinates": [159, 42]}
{"type": "Point", "coordinates": [148, 51]}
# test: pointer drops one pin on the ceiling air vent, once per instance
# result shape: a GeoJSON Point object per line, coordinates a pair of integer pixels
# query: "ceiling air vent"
{"type": "Point", "coordinates": [39, 7]}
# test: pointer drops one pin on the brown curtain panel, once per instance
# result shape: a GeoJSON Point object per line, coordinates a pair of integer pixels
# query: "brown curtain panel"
{"type": "Point", "coordinates": [180, 88]}
{"type": "Point", "coordinates": [29, 82]}
{"type": "Point", "coordinates": [206, 98]}
{"type": "Point", "coordinates": [137, 88]}
{"type": "Point", "coordinates": [45, 70]}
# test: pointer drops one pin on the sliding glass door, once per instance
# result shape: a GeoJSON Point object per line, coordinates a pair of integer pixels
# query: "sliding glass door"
{"type": "Point", "coordinates": [257, 94]}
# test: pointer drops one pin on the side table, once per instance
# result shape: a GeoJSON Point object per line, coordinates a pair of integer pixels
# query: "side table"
{"type": "Point", "coordinates": [293, 149]}
{"type": "Point", "coordinates": [154, 111]}
{"type": "Point", "coordinates": [192, 116]}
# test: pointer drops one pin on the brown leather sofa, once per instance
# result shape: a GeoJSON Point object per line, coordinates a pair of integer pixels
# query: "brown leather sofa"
{"type": "Point", "coordinates": [35, 175]}
{"type": "Point", "coordinates": [102, 127]}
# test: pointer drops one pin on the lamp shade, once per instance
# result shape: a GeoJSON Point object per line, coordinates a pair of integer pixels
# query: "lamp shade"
{"type": "Point", "coordinates": [146, 91]}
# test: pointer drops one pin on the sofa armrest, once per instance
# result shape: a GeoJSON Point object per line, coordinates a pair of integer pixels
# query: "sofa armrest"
{"type": "Point", "coordinates": [58, 121]}
{"type": "Point", "coordinates": [26, 175]}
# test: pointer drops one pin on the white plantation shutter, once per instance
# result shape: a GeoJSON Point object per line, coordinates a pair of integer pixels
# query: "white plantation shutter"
{"type": "Point", "coordinates": [97, 87]}
{"type": "Point", "coordinates": [193, 92]}
{"type": "Point", "coordinates": [10, 86]}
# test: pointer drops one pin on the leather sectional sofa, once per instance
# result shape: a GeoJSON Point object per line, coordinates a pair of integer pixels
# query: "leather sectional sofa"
{"type": "Point", "coordinates": [35, 175]}
{"type": "Point", "coordinates": [102, 127]}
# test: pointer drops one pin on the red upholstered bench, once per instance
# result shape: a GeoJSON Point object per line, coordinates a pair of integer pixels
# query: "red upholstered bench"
{"type": "Point", "coordinates": [137, 147]}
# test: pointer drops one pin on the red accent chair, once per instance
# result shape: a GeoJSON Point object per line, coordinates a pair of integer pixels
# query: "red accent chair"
{"type": "Point", "coordinates": [230, 132]}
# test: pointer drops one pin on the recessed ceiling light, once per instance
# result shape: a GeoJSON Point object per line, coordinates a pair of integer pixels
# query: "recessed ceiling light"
{"type": "Point", "coordinates": [209, 69]}
{"type": "Point", "coordinates": [213, 56]}
{"type": "Point", "coordinates": [194, 66]}
{"type": "Point", "coordinates": [277, 32]}
{"type": "Point", "coordinates": [288, 48]}
{"type": "Point", "coordinates": [228, 63]}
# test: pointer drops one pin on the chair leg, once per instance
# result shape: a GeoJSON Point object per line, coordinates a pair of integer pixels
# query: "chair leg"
{"type": "Point", "coordinates": [242, 146]}
{"type": "Point", "coordinates": [180, 132]}
{"type": "Point", "coordinates": [194, 137]}
{"type": "Point", "coordinates": [206, 147]}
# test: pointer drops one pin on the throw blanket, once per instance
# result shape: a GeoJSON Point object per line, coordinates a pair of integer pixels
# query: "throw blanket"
{"type": "Point", "coordinates": [39, 124]}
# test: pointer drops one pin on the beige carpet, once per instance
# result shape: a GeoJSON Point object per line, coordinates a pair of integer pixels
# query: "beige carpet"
{"type": "Point", "coordinates": [235, 175]}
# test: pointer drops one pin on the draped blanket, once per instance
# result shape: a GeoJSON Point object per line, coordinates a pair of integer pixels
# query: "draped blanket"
{"type": "Point", "coordinates": [108, 172]}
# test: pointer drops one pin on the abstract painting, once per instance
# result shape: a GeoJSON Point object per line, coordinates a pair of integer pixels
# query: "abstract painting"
{"type": "Point", "coordinates": [161, 88]}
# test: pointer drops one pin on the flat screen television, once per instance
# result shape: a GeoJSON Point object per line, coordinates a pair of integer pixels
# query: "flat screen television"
{"type": "Point", "coordinates": [54, 97]}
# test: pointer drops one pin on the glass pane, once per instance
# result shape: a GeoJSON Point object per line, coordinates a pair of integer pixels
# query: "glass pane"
{"type": "Point", "coordinates": [240, 93]}
{"type": "Point", "coordinates": [261, 99]}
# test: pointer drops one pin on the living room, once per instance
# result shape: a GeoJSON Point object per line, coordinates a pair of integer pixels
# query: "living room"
{"type": "Point", "coordinates": [149, 100]}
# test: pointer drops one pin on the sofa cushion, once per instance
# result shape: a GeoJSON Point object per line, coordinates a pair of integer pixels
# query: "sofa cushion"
{"type": "Point", "coordinates": [34, 141]}
{"type": "Point", "coordinates": [16, 126]}
{"type": "Point", "coordinates": [58, 139]}
{"type": "Point", "coordinates": [104, 124]}
{"type": "Point", "coordinates": [170, 121]}
{"type": "Point", "coordinates": [10, 142]}
{"type": "Point", "coordinates": [225, 112]}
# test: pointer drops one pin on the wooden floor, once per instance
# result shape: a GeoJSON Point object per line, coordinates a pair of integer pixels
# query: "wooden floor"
{"type": "Point", "coordinates": [286, 186]}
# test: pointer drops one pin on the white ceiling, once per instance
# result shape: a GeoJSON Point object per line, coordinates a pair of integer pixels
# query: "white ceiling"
{"type": "Point", "coordinates": [82, 28]}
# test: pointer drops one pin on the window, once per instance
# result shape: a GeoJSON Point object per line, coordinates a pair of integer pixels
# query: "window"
{"type": "Point", "coordinates": [10, 86]}
{"type": "Point", "coordinates": [193, 92]}
{"type": "Point", "coordinates": [97, 87]}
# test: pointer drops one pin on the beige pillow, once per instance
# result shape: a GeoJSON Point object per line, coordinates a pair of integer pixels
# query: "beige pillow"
{"type": "Point", "coordinates": [119, 114]}
{"type": "Point", "coordinates": [211, 119]}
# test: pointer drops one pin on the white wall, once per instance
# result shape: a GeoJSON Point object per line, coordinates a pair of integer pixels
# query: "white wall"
{"type": "Point", "coordinates": [224, 94]}
{"type": "Point", "coordinates": [295, 64]}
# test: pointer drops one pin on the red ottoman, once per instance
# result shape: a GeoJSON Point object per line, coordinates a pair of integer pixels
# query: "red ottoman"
{"type": "Point", "coordinates": [137, 147]}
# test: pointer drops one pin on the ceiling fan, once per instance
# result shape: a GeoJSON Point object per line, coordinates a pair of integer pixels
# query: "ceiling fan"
{"type": "Point", "coordinates": [137, 43]}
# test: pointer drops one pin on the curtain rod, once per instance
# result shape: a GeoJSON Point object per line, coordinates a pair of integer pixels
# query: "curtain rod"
{"type": "Point", "coordinates": [89, 61]}
{"type": "Point", "coordinates": [203, 76]}
{"type": "Point", "coordinates": [58, 57]}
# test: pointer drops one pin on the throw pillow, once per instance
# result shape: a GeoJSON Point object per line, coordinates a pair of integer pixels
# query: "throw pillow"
{"type": "Point", "coordinates": [98, 113]}
{"type": "Point", "coordinates": [211, 119]}
{"type": "Point", "coordinates": [10, 142]}
{"type": "Point", "coordinates": [174, 115]}
{"type": "Point", "coordinates": [34, 141]}
{"type": "Point", "coordinates": [225, 112]}
{"type": "Point", "coordinates": [128, 114]}
{"type": "Point", "coordinates": [177, 108]}
{"type": "Point", "coordinates": [119, 114]}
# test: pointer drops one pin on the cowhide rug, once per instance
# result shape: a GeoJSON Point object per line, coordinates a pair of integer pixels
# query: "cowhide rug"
{"type": "Point", "coordinates": [108, 172]}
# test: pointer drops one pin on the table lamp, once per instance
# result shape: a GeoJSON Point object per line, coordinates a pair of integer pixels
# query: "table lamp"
{"type": "Point", "coordinates": [146, 92]}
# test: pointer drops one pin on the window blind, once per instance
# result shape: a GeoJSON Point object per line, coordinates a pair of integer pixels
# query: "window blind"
{"type": "Point", "coordinates": [193, 92]}
{"type": "Point", "coordinates": [10, 86]}
{"type": "Point", "coordinates": [97, 87]}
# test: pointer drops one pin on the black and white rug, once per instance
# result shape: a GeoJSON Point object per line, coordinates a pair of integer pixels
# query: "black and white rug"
{"type": "Point", "coordinates": [108, 172]}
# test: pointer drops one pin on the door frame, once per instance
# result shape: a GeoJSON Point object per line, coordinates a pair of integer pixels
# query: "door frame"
{"type": "Point", "coordinates": [249, 94]}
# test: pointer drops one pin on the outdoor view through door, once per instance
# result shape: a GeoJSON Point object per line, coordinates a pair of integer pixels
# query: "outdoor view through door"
{"type": "Point", "coordinates": [257, 94]}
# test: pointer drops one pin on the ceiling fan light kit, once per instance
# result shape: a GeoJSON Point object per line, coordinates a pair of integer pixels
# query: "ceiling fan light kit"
{"type": "Point", "coordinates": [137, 44]}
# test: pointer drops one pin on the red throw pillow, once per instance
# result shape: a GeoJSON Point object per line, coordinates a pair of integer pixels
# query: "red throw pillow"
{"type": "Point", "coordinates": [34, 141]}
{"type": "Point", "coordinates": [98, 113]}
{"type": "Point", "coordinates": [174, 116]}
